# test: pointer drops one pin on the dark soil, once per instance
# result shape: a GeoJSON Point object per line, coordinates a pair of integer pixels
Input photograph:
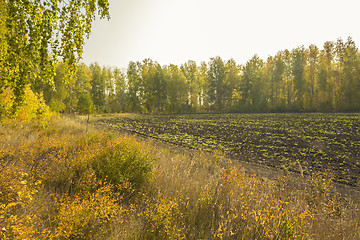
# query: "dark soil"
{"type": "Point", "coordinates": [299, 142]}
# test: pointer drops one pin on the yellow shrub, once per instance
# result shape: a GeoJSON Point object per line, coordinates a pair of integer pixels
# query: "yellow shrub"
{"type": "Point", "coordinates": [87, 218]}
{"type": "Point", "coordinates": [165, 219]}
{"type": "Point", "coordinates": [16, 195]}
{"type": "Point", "coordinates": [123, 160]}
{"type": "Point", "coordinates": [33, 109]}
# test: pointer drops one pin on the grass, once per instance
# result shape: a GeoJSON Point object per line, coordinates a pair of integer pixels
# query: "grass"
{"type": "Point", "coordinates": [70, 181]}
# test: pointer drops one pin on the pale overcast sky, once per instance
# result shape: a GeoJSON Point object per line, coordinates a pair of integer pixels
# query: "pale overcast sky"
{"type": "Point", "coordinates": [175, 31]}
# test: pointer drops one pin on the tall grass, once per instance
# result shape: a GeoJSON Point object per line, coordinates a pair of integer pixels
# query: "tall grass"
{"type": "Point", "coordinates": [60, 182]}
{"type": "Point", "coordinates": [65, 181]}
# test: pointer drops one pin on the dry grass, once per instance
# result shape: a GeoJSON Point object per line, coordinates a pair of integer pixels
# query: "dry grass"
{"type": "Point", "coordinates": [211, 197]}
{"type": "Point", "coordinates": [52, 186]}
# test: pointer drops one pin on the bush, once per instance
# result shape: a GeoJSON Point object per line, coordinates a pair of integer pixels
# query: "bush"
{"type": "Point", "coordinates": [59, 182]}
{"type": "Point", "coordinates": [87, 218]}
{"type": "Point", "coordinates": [123, 160]}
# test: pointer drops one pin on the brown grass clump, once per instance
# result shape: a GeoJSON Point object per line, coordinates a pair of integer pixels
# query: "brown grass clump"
{"type": "Point", "coordinates": [65, 181]}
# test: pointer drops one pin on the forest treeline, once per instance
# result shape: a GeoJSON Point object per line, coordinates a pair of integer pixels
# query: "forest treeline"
{"type": "Point", "coordinates": [303, 79]}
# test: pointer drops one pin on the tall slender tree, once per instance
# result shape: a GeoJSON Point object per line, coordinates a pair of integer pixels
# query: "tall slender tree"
{"type": "Point", "coordinates": [177, 90]}
{"type": "Point", "coordinates": [231, 82]}
{"type": "Point", "coordinates": [312, 69]}
{"type": "Point", "coordinates": [298, 71]}
{"type": "Point", "coordinates": [135, 89]}
{"type": "Point", "coordinates": [216, 79]}
{"type": "Point", "coordinates": [121, 96]}
{"type": "Point", "coordinates": [204, 87]}
{"type": "Point", "coordinates": [190, 72]}
{"type": "Point", "coordinates": [97, 87]}
{"type": "Point", "coordinates": [83, 90]}
{"type": "Point", "coordinates": [253, 93]}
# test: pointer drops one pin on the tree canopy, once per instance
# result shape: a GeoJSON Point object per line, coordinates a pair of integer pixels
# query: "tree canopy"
{"type": "Point", "coordinates": [42, 43]}
{"type": "Point", "coordinates": [36, 34]}
{"type": "Point", "coordinates": [303, 79]}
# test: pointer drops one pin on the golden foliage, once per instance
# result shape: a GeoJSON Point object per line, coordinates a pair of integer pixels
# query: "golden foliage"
{"type": "Point", "coordinates": [33, 108]}
{"type": "Point", "coordinates": [86, 218]}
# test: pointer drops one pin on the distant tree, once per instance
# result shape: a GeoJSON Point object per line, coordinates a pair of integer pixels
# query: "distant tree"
{"type": "Point", "coordinates": [298, 71]}
{"type": "Point", "coordinates": [57, 96]}
{"type": "Point", "coordinates": [203, 86]}
{"type": "Point", "coordinates": [312, 70]}
{"type": "Point", "coordinates": [190, 72]}
{"type": "Point", "coordinates": [349, 67]}
{"type": "Point", "coordinates": [109, 83]}
{"type": "Point", "coordinates": [159, 88]}
{"type": "Point", "coordinates": [252, 91]}
{"type": "Point", "coordinates": [288, 80]}
{"type": "Point", "coordinates": [97, 87]}
{"type": "Point", "coordinates": [154, 86]}
{"type": "Point", "coordinates": [325, 95]}
{"type": "Point", "coordinates": [135, 88]}
{"type": "Point", "coordinates": [231, 82]}
{"type": "Point", "coordinates": [83, 78]}
{"type": "Point", "coordinates": [269, 76]}
{"type": "Point", "coordinates": [278, 81]}
{"type": "Point", "coordinates": [216, 78]}
{"type": "Point", "coordinates": [82, 89]}
{"type": "Point", "coordinates": [177, 90]}
{"type": "Point", "coordinates": [120, 91]}
{"type": "Point", "coordinates": [85, 104]}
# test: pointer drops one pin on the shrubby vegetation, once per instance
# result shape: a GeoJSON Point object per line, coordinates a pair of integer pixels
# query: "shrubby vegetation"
{"type": "Point", "coordinates": [65, 182]}
{"type": "Point", "coordinates": [58, 182]}
{"type": "Point", "coordinates": [33, 108]}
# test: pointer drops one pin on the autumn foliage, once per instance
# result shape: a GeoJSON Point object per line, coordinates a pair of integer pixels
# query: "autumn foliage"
{"type": "Point", "coordinates": [63, 181]}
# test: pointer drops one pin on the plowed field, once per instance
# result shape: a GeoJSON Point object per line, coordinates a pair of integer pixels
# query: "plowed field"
{"type": "Point", "coordinates": [306, 142]}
